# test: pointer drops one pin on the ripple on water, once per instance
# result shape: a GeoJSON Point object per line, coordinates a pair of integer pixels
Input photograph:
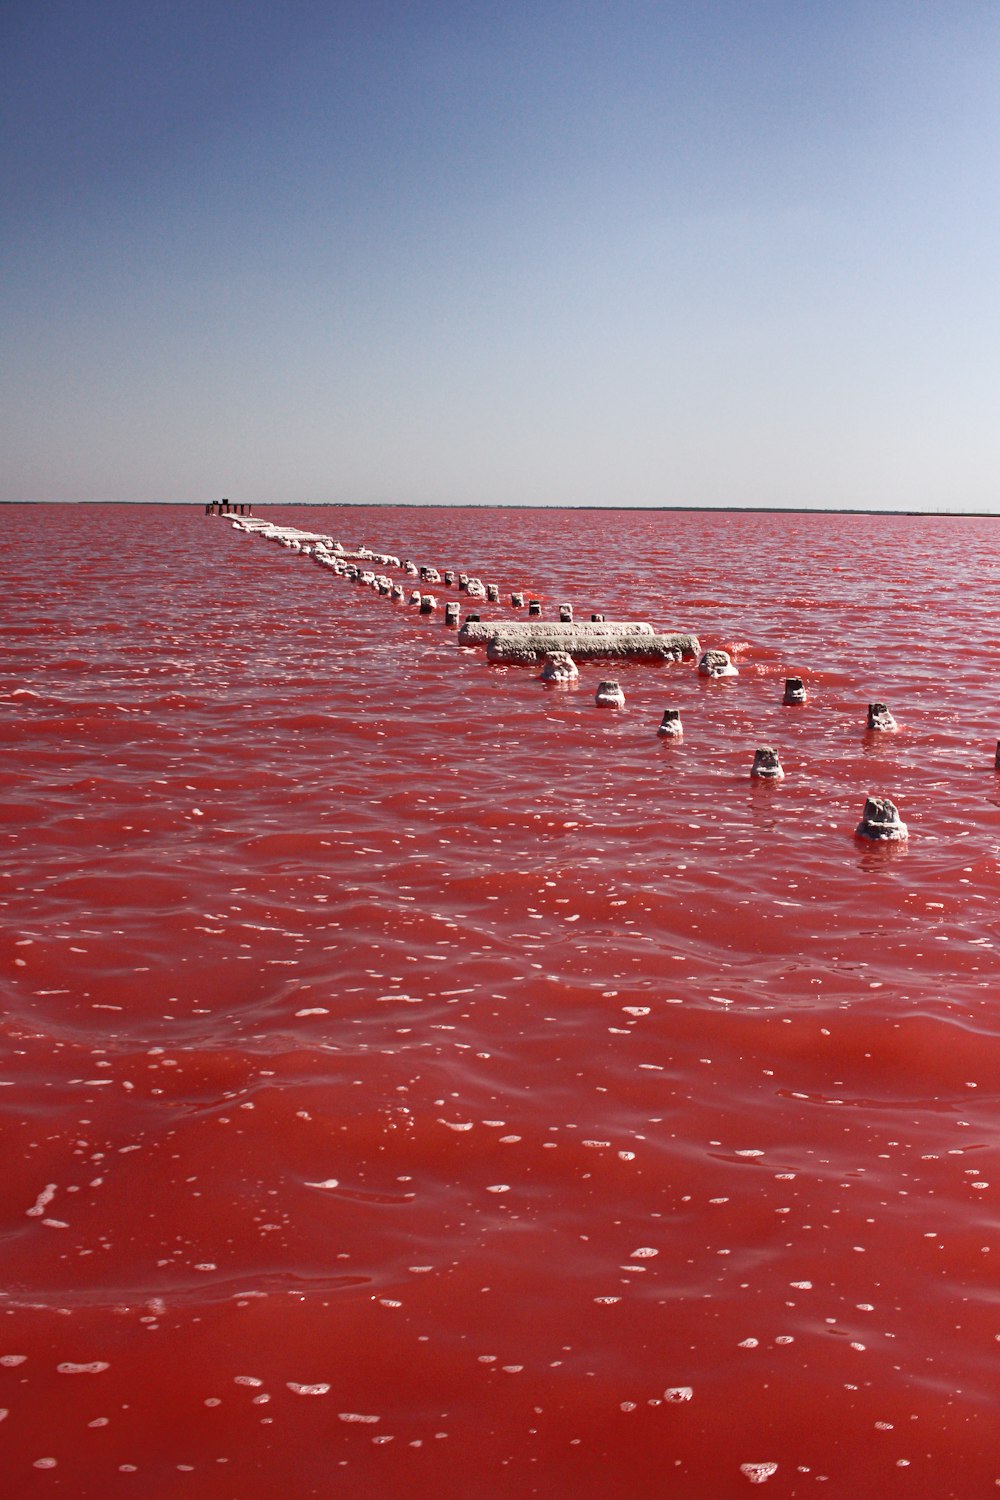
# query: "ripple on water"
{"type": "Point", "coordinates": [366, 1009]}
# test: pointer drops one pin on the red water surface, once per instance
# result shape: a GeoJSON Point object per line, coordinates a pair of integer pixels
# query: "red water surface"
{"type": "Point", "coordinates": [420, 1082]}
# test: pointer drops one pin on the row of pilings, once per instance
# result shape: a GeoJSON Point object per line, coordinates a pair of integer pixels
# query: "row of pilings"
{"type": "Point", "coordinates": [554, 645]}
{"type": "Point", "coordinates": [228, 508]}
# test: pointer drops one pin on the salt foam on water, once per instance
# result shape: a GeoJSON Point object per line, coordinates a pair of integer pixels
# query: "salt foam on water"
{"type": "Point", "coordinates": [758, 1473]}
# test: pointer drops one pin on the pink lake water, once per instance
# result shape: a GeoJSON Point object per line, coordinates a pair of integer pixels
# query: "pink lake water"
{"type": "Point", "coordinates": [417, 1081]}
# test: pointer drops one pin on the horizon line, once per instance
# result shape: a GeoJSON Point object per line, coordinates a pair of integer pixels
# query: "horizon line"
{"type": "Point", "coordinates": [826, 510]}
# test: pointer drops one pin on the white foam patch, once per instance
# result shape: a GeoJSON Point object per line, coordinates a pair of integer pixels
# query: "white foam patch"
{"type": "Point", "coordinates": [94, 1367]}
{"type": "Point", "coordinates": [320, 1389]}
{"type": "Point", "coordinates": [758, 1473]}
{"type": "Point", "coordinates": [45, 1197]}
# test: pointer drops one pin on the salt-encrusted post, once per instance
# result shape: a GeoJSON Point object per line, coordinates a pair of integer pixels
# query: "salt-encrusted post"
{"type": "Point", "coordinates": [881, 821]}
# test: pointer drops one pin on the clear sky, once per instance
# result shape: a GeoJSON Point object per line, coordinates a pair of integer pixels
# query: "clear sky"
{"type": "Point", "coordinates": [573, 252]}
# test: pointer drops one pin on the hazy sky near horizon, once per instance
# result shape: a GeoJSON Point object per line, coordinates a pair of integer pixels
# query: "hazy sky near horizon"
{"type": "Point", "coordinates": [575, 252]}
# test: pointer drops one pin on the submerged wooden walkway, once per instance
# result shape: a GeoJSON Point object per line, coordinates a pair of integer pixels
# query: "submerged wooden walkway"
{"type": "Point", "coordinates": [556, 643]}
{"type": "Point", "coordinates": [525, 642]}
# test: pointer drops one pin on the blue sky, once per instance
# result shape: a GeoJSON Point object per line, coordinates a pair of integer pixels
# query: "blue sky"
{"type": "Point", "coordinates": [615, 253]}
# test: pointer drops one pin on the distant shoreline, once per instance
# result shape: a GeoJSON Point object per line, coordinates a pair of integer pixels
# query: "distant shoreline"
{"type": "Point", "coordinates": [767, 510]}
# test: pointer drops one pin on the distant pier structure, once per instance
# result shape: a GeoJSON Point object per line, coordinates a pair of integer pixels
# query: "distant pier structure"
{"type": "Point", "coordinates": [227, 508]}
